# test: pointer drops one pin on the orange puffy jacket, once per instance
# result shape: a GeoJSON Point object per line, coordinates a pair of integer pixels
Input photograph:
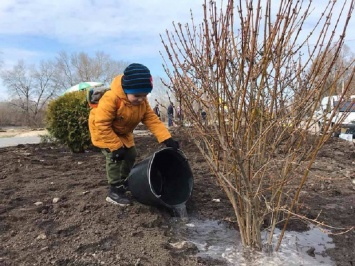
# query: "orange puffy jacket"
{"type": "Point", "coordinates": [111, 127]}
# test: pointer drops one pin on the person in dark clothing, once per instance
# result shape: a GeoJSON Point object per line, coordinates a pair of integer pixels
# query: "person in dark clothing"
{"type": "Point", "coordinates": [156, 110]}
{"type": "Point", "coordinates": [170, 115]}
{"type": "Point", "coordinates": [204, 117]}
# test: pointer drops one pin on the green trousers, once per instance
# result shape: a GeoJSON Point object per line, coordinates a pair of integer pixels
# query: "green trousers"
{"type": "Point", "coordinates": [117, 173]}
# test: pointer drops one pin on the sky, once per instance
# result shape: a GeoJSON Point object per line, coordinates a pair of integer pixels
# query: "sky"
{"type": "Point", "coordinates": [129, 30]}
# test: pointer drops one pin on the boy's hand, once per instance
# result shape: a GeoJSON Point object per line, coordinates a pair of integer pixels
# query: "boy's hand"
{"type": "Point", "coordinates": [117, 155]}
{"type": "Point", "coordinates": [171, 143]}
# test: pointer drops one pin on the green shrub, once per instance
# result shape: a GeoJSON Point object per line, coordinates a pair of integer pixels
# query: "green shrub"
{"type": "Point", "coordinates": [67, 120]}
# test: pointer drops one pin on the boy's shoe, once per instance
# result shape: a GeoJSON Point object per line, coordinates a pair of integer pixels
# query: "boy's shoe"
{"type": "Point", "coordinates": [116, 196]}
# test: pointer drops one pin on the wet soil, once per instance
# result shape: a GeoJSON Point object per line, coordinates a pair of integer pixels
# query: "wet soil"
{"type": "Point", "coordinates": [53, 209]}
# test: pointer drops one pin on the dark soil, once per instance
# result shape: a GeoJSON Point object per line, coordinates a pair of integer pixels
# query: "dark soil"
{"type": "Point", "coordinates": [53, 209]}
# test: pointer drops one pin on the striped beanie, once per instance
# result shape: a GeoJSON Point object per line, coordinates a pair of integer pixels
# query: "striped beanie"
{"type": "Point", "coordinates": [137, 79]}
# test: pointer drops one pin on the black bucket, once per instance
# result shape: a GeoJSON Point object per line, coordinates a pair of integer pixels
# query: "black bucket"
{"type": "Point", "coordinates": [165, 178]}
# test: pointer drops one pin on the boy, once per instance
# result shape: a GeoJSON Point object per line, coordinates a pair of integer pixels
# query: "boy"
{"type": "Point", "coordinates": [112, 123]}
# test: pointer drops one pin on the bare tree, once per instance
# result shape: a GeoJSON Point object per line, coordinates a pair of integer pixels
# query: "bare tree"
{"type": "Point", "coordinates": [159, 92]}
{"type": "Point", "coordinates": [259, 90]}
{"type": "Point", "coordinates": [340, 73]}
{"type": "Point", "coordinates": [10, 115]}
{"type": "Point", "coordinates": [31, 88]}
{"type": "Point", "coordinates": [80, 67]}
{"type": "Point", "coordinates": [346, 57]}
{"type": "Point", "coordinates": [160, 96]}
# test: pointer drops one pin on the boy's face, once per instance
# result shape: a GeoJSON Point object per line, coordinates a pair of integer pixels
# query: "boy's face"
{"type": "Point", "coordinates": [137, 98]}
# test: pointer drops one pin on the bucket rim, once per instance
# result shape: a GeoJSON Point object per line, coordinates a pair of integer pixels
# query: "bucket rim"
{"type": "Point", "coordinates": [149, 179]}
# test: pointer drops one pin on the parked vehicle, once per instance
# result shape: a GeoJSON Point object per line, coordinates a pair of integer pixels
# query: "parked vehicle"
{"type": "Point", "coordinates": [334, 111]}
{"type": "Point", "coordinates": [346, 112]}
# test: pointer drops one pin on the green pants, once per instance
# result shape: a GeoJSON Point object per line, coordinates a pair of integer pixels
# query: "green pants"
{"type": "Point", "coordinates": [117, 173]}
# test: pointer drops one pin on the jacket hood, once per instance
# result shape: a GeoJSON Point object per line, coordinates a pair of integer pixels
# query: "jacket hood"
{"type": "Point", "coordinates": [116, 87]}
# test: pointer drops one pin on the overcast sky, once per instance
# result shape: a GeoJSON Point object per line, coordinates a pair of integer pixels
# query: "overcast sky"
{"type": "Point", "coordinates": [32, 30]}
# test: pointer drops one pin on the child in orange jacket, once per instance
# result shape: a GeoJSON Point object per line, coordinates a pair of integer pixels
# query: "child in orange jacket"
{"type": "Point", "coordinates": [112, 123]}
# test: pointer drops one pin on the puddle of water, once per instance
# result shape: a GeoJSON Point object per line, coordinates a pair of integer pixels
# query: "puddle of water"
{"type": "Point", "coordinates": [216, 240]}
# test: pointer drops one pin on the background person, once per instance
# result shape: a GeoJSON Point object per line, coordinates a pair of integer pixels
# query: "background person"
{"type": "Point", "coordinates": [170, 114]}
{"type": "Point", "coordinates": [157, 110]}
{"type": "Point", "coordinates": [204, 117]}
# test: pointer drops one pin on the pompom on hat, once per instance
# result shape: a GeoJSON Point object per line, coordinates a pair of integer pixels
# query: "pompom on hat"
{"type": "Point", "coordinates": [137, 79]}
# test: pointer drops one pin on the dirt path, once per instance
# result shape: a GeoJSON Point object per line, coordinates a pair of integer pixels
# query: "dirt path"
{"type": "Point", "coordinates": [53, 212]}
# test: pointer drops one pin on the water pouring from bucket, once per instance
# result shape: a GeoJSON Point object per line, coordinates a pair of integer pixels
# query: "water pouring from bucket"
{"type": "Point", "coordinates": [165, 178]}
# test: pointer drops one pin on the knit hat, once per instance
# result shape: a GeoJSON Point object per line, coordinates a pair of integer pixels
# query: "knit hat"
{"type": "Point", "coordinates": [137, 79]}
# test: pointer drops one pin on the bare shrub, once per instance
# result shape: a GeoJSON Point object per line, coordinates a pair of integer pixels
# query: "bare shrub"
{"type": "Point", "coordinates": [260, 83]}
